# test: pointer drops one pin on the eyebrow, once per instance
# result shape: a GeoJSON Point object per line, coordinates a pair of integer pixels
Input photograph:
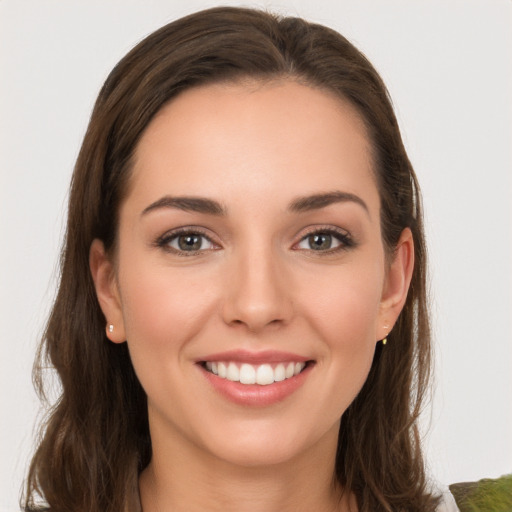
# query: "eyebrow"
{"type": "Point", "coordinates": [211, 207]}
{"type": "Point", "coordinates": [318, 201]}
{"type": "Point", "coordinates": [188, 204]}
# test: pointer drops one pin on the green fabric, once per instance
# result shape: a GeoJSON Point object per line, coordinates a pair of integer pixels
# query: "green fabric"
{"type": "Point", "coordinates": [485, 495]}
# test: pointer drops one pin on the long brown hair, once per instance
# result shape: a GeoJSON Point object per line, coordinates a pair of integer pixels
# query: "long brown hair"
{"type": "Point", "coordinates": [96, 439]}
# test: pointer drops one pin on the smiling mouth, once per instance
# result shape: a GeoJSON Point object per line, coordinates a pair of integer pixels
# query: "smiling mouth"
{"type": "Point", "coordinates": [262, 374]}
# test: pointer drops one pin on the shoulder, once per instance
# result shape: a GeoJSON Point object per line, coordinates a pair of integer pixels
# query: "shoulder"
{"type": "Point", "coordinates": [447, 503]}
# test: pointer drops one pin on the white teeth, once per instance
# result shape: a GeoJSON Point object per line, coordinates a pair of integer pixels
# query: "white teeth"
{"type": "Point", "coordinates": [233, 372]}
{"type": "Point", "coordinates": [279, 373]}
{"type": "Point", "coordinates": [262, 374]}
{"type": "Point", "coordinates": [247, 374]}
{"type": "Point", "coordinates": [223, 371]}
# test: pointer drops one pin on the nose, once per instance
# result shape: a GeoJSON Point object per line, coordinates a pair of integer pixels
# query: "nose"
{"type": "Point", "coordinates": [258, 291]}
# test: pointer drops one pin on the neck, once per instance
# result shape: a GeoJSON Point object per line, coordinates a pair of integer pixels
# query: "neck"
{"type": "Point", "coordinates": [188, 480]}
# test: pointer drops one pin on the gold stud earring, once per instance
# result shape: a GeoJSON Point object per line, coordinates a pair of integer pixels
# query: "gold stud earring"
{"type": "Point", "coordinates": [385, 339]}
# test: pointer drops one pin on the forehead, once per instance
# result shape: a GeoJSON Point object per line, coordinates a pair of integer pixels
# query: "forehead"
{"type": "Point", "coordinates": [254, 137]}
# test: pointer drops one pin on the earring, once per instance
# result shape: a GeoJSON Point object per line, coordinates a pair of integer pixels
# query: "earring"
{"type": "Point", "coordinates": [110, 328]}
{"type": "Point", "coordinates": [385, 339]}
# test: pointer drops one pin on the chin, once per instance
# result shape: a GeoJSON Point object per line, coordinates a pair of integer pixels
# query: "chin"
{"type": "Point", "coordinates": [255, 455]}
{"type": "Point", "coordinates": [267, 444]}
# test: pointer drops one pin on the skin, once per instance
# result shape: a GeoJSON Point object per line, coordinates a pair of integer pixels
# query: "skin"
{"type": "Point", "coordinates": [256, 284]}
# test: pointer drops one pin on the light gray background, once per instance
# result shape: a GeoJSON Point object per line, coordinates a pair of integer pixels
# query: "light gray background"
{"type": "Point", "coordinates": [448, 67]}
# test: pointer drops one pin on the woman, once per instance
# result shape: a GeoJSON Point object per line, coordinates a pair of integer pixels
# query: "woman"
{"type": "Point", "coordinates": [241, 321]}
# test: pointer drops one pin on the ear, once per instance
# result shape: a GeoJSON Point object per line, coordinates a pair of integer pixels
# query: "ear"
{"type": "Point", "coordinates": [396, 284]}
{"type": "Point", "coordinates": [107, 291]}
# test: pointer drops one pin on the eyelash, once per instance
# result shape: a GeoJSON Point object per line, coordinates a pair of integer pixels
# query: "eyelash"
{"type": "Point", "coordinates": [345, 240]}
{"type": "Point", "coordinates": [165, 240]}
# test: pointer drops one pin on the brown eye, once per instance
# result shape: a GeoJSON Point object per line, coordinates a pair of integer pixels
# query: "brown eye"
{"type": "Point", "coordinates": [320, 241]}
{"type": "Point", "coordinates": [188, 242]}
{"type": "Point", "coordinates": [325, 240]}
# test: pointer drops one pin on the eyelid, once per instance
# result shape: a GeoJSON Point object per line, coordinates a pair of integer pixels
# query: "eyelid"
{"type": "Point", "coordinates": [163, 240]}
{"type": "Point", "coordinates": [344, 236]}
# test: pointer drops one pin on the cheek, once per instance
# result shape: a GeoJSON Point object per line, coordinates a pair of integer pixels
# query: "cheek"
{"type": "Point", "coordinates": [345, 317]}
{"type": "Point", "coordinates": [163, 308]}
{"type": "Point", "coordinates": [348, 328]}
{"type": "Point", "coordinates": [345, 305]}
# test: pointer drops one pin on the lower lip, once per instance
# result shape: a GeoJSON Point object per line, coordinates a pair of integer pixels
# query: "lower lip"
{"type": "Point", "coordinates": [256, 395]}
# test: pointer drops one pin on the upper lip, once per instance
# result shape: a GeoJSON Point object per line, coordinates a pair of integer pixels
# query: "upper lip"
{"type": "Point", "coordinates": [254, 357]}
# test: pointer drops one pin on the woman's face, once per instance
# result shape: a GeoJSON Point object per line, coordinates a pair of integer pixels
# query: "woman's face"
{"type": "Point", "coordinates": [250, 246]}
